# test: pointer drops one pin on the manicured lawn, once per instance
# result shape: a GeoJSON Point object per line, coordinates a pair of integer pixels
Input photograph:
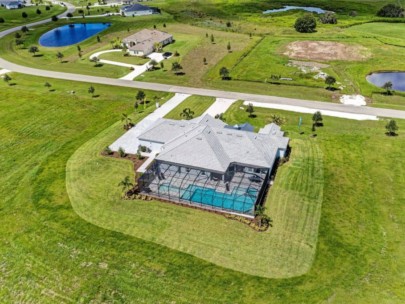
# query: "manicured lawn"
{"type": "Point", "coordinates": [14, 18]}
{"type": "Point", "coordinates": [119, 56]}
{"type": "Point", "coordinates": [197, 104]}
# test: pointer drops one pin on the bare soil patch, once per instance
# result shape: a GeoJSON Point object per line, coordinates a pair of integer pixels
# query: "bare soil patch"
{"type": "Point", "coordinates": [325, 51]}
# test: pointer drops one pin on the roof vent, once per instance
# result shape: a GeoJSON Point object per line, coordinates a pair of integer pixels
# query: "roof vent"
{"type": "Point", "coordinates": [199, 138]}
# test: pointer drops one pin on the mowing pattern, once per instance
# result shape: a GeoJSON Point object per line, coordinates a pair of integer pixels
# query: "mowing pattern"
{"type": "Point", "coordinates": [284, 251]}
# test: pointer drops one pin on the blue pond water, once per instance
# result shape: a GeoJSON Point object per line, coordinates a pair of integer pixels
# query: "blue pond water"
{"type": "Point", "coordinates": [289, 8]}
{"type": "Point", "coordinates": [397, 79]}
{"type": "Point", "coordinates": [71, 34]}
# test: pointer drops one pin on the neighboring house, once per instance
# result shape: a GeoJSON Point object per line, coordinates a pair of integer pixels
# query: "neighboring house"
{"type": "Point", "coordinates": [144, 42]}
{"type": "Point", "coordinates": [137, 10]}
{"type": "Point", "coordinates": [12, 4]}
{"type": "Point", "coordinates": [204, 163]}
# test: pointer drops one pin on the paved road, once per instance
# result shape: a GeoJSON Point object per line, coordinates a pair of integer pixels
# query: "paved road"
{"type": "Point", "coordinates": [190, 90]}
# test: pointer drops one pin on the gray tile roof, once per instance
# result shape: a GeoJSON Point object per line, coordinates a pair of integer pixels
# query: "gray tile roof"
{"type": "Point", "coordinates": [136, 8]}
{"type": "Point", "coordinates": [207, 146]}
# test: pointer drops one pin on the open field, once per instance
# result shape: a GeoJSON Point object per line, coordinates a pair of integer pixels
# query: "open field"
{"type": "Point", "coordinates": [197, 104]}
{"type": "Point", "coordinates": [51, 254]}
{"type": "Point", "coordinates": [13, 18]}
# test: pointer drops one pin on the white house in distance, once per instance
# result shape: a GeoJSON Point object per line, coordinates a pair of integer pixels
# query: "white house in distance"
{"type": "Point", "coordinates": [144, 42]}
{"type": "Point", "coordinates": [137, 10]}
{"type": "Point", "coordinates": [12, 4]}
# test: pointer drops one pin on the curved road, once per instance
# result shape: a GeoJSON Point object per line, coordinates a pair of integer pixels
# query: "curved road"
{"type": "Point", "coordinates": [190, 90]}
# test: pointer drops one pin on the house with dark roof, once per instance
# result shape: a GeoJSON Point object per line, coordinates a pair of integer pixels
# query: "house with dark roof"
{"type": "Point", "coordinates": [137, 10]}
{"type": "Point", "coordinates": [207, 164]}
{"type": "Point", "coordinates": [12, 4]}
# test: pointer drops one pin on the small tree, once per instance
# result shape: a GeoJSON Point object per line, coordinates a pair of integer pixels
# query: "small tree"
{"type": "Point", "coordinates": [261, 217]}
{"type": "Point", "coordinates": [7, 79]}
{"type": "Point", "coordinates": [91, 91]}
{"type": "Point", "coordinates": [47, 8]}
{"type": "Point", "coordinates": [127, 121]}
{"type": "Point", "coordinates": [2, 20]}
{"type": "Point", "coordinates": [33, 49]}
{"type": "Point", "coordinates": [228, 47]}
{"type": "Point", "coordinates": [98, 38]}
{"type": "Point", "coordinates": [54, 18]}
{"type": "Point", "coordinates": [391, 10]}
{"type": "Point", "coordinates": [17, 35]}
{"type": "Point", "coordinates": [24, 15]}
{"type": "Point", "coordinates": [24, 29]}
{"type": "Point", "coordinates": [153, 63]}
{"type": "Point", "coordinates": [387, 87]}
{"type": "Point", "coordinates": [48, 85]}
{"type": "Point", "coordinates": [277, 119]}
{"type": "Point", "coordinates": [60, 56]}
{"type": "Point", "coordinates": [317, 118]}
{"type": "Point", "coordinates": [328, 18]}
{"type": "Point", "coordinates": [205, 61]}
{"type": "Point", "coordinates": [140, 96]}
{"type": "Point", "coordinates": [79, 49]}
{"type": "Point", "coordinates": [330, 81]}
{"type": "Point", "coordinates": [126, 185]}
{"type": "Point", "coordinates": [121, 152]}
{"type": "Point", "coordinates": [38, 11]}
{"type": "Point", "coordinates": [391, 127]}
{"type": "Point", "coordinates": [305, 24]}
{"type": "Point", "coordinates": [212, 38]}
{"type": "Point", "coordinates": [224, 73]}
{"type": "Point", "coordinates": [162, 65]}
{"type": "Point", "coordinates": [69, 15]}
{"type": "Point", "coordinates": [19, 42]}
{"type": "Point", "coordinates": [250, 109]}
{"type": "Point", "coordinates": [136, 106]}
{"type": "Point", "coordinates": [164, 24]}
{"type": "Point", "coordinates": [187, 114]}
{"type": "Point", "coordinates": [107, 151]}
{"type": "Point", "coordinates": [94, 59]}
{"type": "Point", "coordinates": [176, 68]}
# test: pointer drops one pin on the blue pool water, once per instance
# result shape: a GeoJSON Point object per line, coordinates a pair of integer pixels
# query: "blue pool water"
{"type": "Point", "coordinates": [397, 79]}
{"type": "Point", "coordinates": [289, 8]}
{"type": "Point", "coordinates": [241, 200]}
{"type": "Point", "coordinates": [71, 34]}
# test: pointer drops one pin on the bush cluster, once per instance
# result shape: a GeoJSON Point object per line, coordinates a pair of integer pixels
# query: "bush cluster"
{"type": "Point", "coordinates": [328, 18]}
{"type": "Point", "coordinates": [391, 10]}
{"type": "Point", "coordinates": [305, 24]}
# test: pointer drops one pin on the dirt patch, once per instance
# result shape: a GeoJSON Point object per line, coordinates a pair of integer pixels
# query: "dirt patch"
{"type": "Point", "coordinates": [325, 51]}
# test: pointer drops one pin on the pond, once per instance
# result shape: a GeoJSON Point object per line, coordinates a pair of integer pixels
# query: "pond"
{"type": "Point", "coordinates": [397, 79]}
{"type": "Point", "coordinates": [71, 34]}
{"type": "Point", "coordinates": [289, 8]}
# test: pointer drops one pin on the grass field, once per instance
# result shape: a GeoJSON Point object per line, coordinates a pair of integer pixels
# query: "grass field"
{"type": "Point", "coordinates": [50, 254]}
{"type": "Point", "coordinates": [197, 104]}
{"type": "Point", "coordinates": [13, 18]}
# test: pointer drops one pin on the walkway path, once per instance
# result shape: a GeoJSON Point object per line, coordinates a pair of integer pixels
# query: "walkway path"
{"type": "Point", "coordinates": [129, 141]}
{"type": "Point", "coordinates": [137, 69]}
{"type": "Point", "coordinates": [325, 106]}
{"type": "Point", "coordinates": [219, 106]}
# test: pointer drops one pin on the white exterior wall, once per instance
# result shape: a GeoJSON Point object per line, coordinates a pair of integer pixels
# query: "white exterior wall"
{"type": "Point", "coordinates": [137, 13]}
{"type": "Point", "coordinates": [154, 146]}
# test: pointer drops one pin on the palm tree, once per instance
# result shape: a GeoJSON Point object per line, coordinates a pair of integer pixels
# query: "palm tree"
{"type": "Point", "coordinates": [187, 114]}
{"type": "Point", "coordinates": [47, 85]}
{"type": "Point", "coordinates": [262, 217]}
{"type": "Point", "coordinates": [317, 118]}
{"type": "Point", "coordinates": [126, 119]}
{"type": "Point", "coordinates": [250, 109]}
{"type": "Point", "coordinates": [91, 91]}
{"type": "Point", "coordinates": [330, 81]}
{"type": "Point", "coordinates": [391, 127]}
{"type": "Point", "coordinates": [33, 49]}
{"type": "Point", "coordinates": [153, 63]}
{"type": "Point", "coordinates": [60, 56]}
{"type": "Point", "coordinates": [277, 119]}
{"type": "Point", "coordinates": [7, 79]}
{"type": "Point", "coordinates": [140, 96]}
{"type": "Point", "coordinates": [224, 73]}
{"type": "Point", "coordinates": [388, 87]}
{"type": "Point", "coordinates": [176, 68]}
{"type": "Point", "coordinates": [126, 185]}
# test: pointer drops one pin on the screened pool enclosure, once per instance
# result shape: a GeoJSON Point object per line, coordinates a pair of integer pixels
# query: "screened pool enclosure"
{"type": "Point", "coordinates": [235, 191]}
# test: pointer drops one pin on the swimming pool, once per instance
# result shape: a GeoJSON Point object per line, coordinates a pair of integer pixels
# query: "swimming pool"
{"type": "Point", "coordinates": [71, 34]}
{"type": "Point", "coordinates": [241, 200]}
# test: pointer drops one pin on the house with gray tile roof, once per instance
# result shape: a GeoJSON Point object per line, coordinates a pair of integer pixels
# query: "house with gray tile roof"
{"type": "Point", "coordinates": [144, 42]}
{"type": "Point", "coordinates": [137, 10]}
{"type": "Point", "coordinates": [205, 163]}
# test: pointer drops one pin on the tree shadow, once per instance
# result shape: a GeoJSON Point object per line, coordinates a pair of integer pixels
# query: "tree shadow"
{"type": "Point", "coordinates": [391, 134]}
{"type": "Point", "coordinates": [12, 84]}
{"type": "Point", "coordinates": [64, 61]}
{"type": "Point", "coordinates": [96, 96]}
{"type": "Point", "coordinates": [38, 55]}
{"type": "Point", "coordinates": [227, 78]}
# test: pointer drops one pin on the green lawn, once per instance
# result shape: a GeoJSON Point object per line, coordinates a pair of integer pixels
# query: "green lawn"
{"type": "Point", "coordinates": [50, 254]}
{"type": "Point", "coordinates": [14, 18]}
{"type": "Point", "coordinates": [119, 56]}
{"type": "Point", "coordinates": [197, 104]}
